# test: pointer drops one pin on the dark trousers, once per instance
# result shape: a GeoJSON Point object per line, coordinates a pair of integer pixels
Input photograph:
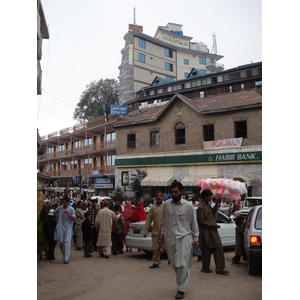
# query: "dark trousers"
{"type": "Point", "coordinates": [88, 247]}
{"type": "Point", "coordinates": [51, 250]}
{"type": "Point", "coordinates": [117, 243]}
{"type": "Point", "coordinates": [95, 237]}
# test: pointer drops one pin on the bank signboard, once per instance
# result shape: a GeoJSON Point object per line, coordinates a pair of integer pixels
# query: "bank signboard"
{"type": "Point", "coordinates": [213, 158]}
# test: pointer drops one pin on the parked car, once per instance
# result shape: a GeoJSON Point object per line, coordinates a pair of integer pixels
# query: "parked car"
{"type": "Point", "coordinates": [135, 237]}
{"type": "Point", "coordinates": [100, 198]}
{"type": "Point", "coordinates": [253, 240]}
{"type": "Point", "coordinates": [247, 204]}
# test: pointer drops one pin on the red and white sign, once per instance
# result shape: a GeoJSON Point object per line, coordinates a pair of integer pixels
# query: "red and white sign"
{"type": "Point", "coordinates": [223, 144]}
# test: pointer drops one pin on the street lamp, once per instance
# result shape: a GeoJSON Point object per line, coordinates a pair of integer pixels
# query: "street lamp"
{"type": "Point", "coordinates": [79, 156]}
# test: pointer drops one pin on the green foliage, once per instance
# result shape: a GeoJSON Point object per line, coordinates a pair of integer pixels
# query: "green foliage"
{"type": "Point", "coordinates": [135, 184]}
{"type": "Point", "coordinates": [95, 101]}
{"type": "Point", "coordinates": [117, 195]}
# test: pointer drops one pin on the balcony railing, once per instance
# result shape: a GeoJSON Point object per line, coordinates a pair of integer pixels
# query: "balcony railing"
{"type": "Point", "coordinates": [103, 146]}
{"type": "Point", "coordinates": [84, 171]}
{"type": "Point", "coordinates": [219, 67]}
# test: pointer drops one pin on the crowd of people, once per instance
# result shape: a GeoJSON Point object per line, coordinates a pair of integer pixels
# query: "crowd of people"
{"type": "Point", "coordinates": [177, 228]}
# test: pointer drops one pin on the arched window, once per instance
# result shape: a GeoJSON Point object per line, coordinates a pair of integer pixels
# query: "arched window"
{"type": "Point", "coordinates": [179, 134]}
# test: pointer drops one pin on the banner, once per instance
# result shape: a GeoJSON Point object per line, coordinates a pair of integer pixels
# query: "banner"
{"type": "Point", "coordinates": [223, 144]}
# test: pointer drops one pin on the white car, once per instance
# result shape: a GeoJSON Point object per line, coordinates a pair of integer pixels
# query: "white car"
{"type": "Point", "coordinates": [253, 239]}
{"type": "Point", "coordinates": [100, 199]}
{"type": "Point", "coordinates": [248, 203]}
{"type": "Point", "coordinates": [135, 237]}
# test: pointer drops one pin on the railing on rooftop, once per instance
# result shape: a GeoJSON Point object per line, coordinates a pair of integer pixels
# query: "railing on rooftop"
{"type": "Point", "coordinates": [80, 126]}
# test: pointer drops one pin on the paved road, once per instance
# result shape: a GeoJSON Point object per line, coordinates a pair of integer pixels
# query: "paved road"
{"type": "Point", "coordinates": [128, 276]}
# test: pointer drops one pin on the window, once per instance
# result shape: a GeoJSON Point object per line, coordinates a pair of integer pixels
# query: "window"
{"type": "Point", "coordinates": [142, 57]}
{"type": "Point", "coordinates": [202, 60]}
{"type": "Point", "coordinates": [88, 142]}
{"type": "Point", "coordinates": [110, 160]}
{"type": "Point", "coordinates": [50, 150]}
{"type": "Point", "coordinates": [202, 72]}
{"type": "Point", "coordinates": [154, 138]}
{"type": "Point", "coordinates": [64, 165]}
{"type": "Point", "coordinates": [208, 132]}
{"type": "Point", "coordinates": [171, 79]}
{"type": "Point", "coordinates": [240, 129]}
{"type": "Point", "coordinates": [168, 52]}
{"type": "Point", "coordinates": [77, 144]}
{"type": "Point", "coordinates": [61, 147]}
{"type": "Point", "coordinates": [186, 61]}
{"type": "Point", "coordinates": [142, 43]}
{"type": "Point", "coordinates": [179, 134]}
{"type": "Point", "coordinates": [111, 137]}
{"type": "Point", "coordinates": [186, 74]}
{"type": "Point", "coordinates": [212, 62]}
{"type": "Point", "coordinates": [50, 167]}
{"type": "Point", "coordinates": [73, 164]}
{"type": "Point", "coordinates": [168, 66]}
{"type": "Point", "coordinates": [87, 163]}
{"type": "Point", "coordinates": [131, 141]}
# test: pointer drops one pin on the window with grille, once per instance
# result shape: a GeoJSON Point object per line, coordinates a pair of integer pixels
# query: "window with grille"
{"type": "Point", "coordinates": [131, 141]}
{"type": "Point", "coordinates": [154, 138]}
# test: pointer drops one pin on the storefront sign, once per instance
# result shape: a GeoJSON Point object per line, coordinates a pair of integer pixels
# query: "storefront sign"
{"type": "Point", "coordinates": [103, 183]}
{"type": "Point", "coordinates": [125, 178]}
{"type": "Point", "coordinates": [223, 144]}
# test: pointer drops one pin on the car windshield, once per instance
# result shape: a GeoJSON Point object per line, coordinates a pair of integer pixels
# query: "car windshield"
{"type": "Point", "coordinates": [258, 221]}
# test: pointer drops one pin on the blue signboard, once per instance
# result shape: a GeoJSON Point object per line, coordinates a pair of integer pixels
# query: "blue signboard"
{"type": "Point", "coordinates": [116, 109]}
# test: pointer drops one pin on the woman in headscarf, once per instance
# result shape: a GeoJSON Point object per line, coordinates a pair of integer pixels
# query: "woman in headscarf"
{"type": "Point", "coordinates": [139, 214]}
{"type": "Point", "coordinates": [127, 217]}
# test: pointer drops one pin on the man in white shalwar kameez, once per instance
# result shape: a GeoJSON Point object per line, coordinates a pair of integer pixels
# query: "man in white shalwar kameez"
{"type": "Point", "coordinates": [64, 228]}
{"type": "Point", "coordinates": [179, 233]}
{"type": "Point", "coordinates": [103, 224]}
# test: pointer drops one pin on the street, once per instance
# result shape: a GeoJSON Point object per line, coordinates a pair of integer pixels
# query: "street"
{"type": "Point", "coordinates": [128, 276]}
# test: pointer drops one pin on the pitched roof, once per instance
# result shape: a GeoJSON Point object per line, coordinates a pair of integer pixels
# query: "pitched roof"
{"type": "Point", "coordinates": [208, 105]}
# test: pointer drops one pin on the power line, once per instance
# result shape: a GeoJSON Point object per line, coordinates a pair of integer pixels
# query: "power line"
{"type": "Point", "coordinates": [58, 99]}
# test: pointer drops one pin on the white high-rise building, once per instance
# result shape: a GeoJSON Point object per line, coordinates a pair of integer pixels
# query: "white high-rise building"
{"type": "Point", "coordinates": [169, 55]}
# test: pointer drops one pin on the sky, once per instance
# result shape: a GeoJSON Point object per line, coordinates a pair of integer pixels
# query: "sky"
{"type": "Point", "coordinates": [86, 38]}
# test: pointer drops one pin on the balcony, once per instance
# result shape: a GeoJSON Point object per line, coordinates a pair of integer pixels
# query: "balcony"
{"type": "Point", "coordinates": [215, 67]}
{"type": "Point", "coordinates": [83, 152]}
{"type": "Point", "coordinates": [106, 170]}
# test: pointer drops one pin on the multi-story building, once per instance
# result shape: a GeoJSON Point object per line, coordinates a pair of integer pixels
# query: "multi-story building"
{"type": "Point", "coordinates": [42, 33]}
{"type": "Point", "coordinates": [169, 55]}
{"type": "Point", "coordinates": [200, 127]}
{"type": "Point", "coordinates": [80, 158]}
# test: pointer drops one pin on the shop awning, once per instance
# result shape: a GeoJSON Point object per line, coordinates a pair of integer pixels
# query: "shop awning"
{"type": "Point", "coordinates": [158, 176]}
{"type": "Point", "coordinates": [195, 173]}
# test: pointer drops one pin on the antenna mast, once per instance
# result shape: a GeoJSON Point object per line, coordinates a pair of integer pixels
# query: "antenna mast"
{"type": "Point", "coordinates": [134, 22]}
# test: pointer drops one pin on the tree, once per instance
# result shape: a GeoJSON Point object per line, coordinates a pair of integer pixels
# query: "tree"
{"type": "Point", "coordinates": [135, 184]}
{"type": "Point", "coordinates": [95, 101]}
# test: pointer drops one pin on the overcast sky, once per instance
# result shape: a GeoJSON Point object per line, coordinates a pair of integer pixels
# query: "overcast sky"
{"type": "Point", "coordinates": [86, 38]}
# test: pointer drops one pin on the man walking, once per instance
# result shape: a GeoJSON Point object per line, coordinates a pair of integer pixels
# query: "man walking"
{"type": "Point", "coordinates": [155, 215]}
{"type": "Point", "coordinates": [64, 227]}
{"type": "Point", "coordinates": [103, 224]}
{"type": "Point", "coordinates": [209, 239]}
{"type": "Point", "coordinates": [179, 233]}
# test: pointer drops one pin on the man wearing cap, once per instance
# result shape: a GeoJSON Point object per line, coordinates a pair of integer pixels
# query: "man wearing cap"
{"type": "Point", "coordinates": [209, 239]}
{"type": "Point", "coordinates": [64, 227]}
